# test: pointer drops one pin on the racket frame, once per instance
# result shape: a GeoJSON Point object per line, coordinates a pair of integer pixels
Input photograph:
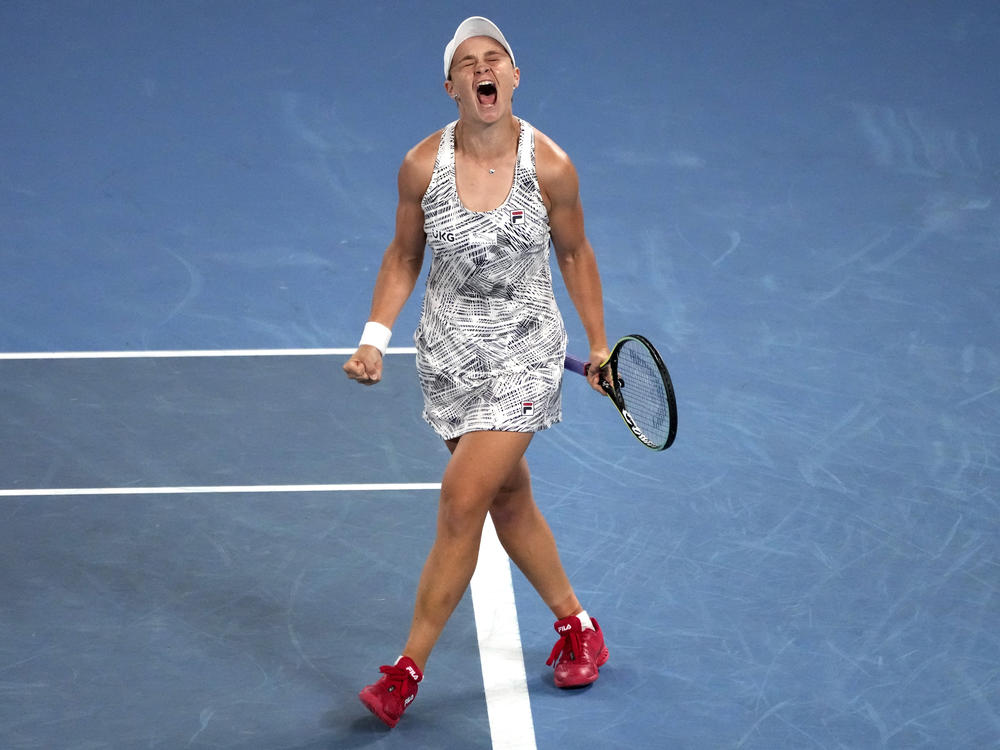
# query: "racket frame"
{"type": "Point", "coordinates": [613, 389]}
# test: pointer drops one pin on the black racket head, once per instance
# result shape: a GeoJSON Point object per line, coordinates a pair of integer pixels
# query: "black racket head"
{"type": "Point", "coordinates": [642, 391]}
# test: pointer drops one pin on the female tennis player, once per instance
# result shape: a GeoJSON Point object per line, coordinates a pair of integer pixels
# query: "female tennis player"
{"type": "Point", "coordinates": [486, 193]}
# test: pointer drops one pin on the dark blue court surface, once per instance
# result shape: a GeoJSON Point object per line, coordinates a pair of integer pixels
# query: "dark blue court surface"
{"type": "Point", "coordinates": [798, 202]}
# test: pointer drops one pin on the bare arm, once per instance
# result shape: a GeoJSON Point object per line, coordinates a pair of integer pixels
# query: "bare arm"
{"type": "Point", "coordinates": [574, 253]}
{"type": "Point", "coordinates": [401, 261]}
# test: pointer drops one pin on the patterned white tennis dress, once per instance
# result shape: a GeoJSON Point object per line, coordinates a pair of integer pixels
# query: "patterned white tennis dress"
{"type": "Point", "coordinates": [491, 341]}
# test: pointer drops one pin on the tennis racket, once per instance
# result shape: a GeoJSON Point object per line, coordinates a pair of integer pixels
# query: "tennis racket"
{"type": "Point", "coordinates": [640, 389]}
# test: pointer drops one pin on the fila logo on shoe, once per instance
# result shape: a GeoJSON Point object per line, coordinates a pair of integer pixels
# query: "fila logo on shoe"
{"type": "Point", "coordinates": [413, 674]}
{"type": "Point", "coordinates": [564, 628]}
{"type": "Point", "coordinates": [408, 701]}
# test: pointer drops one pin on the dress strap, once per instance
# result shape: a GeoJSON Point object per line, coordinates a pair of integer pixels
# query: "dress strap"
{"type": "Point", "coordinates": [446, 148]}
{"type": "Point", "coordinates": [526, 146]}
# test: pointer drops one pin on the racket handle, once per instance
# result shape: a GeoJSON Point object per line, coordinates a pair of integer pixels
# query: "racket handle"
{"type": "Point", "coordinates": [577, 365]}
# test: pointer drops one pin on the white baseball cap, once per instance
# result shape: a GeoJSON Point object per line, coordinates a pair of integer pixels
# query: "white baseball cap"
{"type": "Point", "coordinates": [470, 27]}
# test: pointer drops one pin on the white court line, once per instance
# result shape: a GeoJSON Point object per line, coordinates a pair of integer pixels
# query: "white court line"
{"type": "Point", "coordinates": [500, 653]}
{"type": "Point", "coordinates": [212, 489]}
{"type": "Point", "coordinates": [504, 679]}
{"type": "Point", "coordinates": [167, 353]}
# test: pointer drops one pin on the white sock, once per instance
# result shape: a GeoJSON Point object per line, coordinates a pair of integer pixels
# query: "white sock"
{"type": "Point", "coordinates": [585, 622]}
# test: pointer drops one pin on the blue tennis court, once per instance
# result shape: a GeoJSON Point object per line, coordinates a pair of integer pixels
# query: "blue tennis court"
{"type": "Point", "coordinates": [210, 538]}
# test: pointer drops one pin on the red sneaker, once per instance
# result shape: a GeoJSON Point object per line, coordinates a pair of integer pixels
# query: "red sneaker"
{"type": "Point", "coordinates": [390, 696]}
{"type": "Point", "coordinates": [580, 653]}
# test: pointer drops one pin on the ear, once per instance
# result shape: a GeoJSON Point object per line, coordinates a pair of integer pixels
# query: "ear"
{"type": "Point", "coordinates": [517, 77]}
{"type": "Point", "coordinates": [449, 87]}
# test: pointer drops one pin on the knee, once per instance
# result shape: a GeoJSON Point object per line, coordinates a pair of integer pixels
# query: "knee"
{"type": "Point", "coordinates": [510, 507]}
{"type": "Point", "coordinates": [460, 515]}
{"type": "Point", "coordinates": [505, 515]}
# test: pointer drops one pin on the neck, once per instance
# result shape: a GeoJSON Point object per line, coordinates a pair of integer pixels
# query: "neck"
{"type": "Point", "coordinates": [489, 142]}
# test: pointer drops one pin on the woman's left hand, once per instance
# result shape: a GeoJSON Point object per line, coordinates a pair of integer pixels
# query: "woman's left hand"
{"type": "Point", "coordinates": [594, 372]}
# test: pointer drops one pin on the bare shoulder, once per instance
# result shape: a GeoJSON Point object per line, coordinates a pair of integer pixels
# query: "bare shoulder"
{"type": "Point", "coordinates": [418, 167]}
{"type": "Point", "coordinates": [556, 174]}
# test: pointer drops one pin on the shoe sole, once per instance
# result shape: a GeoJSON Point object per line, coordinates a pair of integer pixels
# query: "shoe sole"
{"type": "Point", "coordinates": [385, 719]}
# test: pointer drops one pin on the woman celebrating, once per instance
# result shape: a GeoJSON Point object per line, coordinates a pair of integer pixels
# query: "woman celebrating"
{"type": "Point", "coordinates": [487, 193]}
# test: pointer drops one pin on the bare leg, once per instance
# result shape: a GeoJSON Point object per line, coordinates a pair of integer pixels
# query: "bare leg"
{"type": "Point", "coordinates": [526, 537]}
{"type": "Point", "coordinates": [479, 465]}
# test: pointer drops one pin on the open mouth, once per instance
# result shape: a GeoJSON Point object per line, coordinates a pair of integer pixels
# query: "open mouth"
{"type": "Point", "coordinates": [486, 92]}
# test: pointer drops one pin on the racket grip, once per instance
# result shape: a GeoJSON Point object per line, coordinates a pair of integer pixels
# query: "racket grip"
{"type": "Point", "coordinates": [577, 365]}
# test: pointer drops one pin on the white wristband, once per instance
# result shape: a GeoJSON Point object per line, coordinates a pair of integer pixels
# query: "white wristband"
{"type": "Point", "coordinates": [377, 335]}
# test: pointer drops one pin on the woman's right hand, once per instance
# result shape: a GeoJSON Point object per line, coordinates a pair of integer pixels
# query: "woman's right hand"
{"type": "Point", "coordinates": [365, 365]}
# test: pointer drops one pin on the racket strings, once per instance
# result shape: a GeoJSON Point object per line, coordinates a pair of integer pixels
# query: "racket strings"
{"type": "Point", "coordinates": [643, 391]}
